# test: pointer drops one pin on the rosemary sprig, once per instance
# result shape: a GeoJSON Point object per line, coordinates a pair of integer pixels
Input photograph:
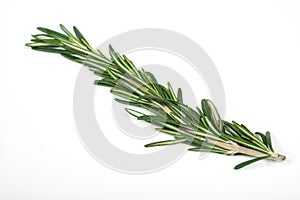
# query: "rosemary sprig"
{"type": "Point", "coordinates": [202, 129]}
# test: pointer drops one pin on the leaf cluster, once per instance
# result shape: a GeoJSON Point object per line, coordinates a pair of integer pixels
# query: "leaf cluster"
{"type": "Point", "coordinates": [201, 128]}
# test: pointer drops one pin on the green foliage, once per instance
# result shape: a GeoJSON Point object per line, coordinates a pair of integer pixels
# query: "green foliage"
{"type": "Point", "coordinates": [202, 129]}
{"type": "Point", "coordinates": [244, 164]}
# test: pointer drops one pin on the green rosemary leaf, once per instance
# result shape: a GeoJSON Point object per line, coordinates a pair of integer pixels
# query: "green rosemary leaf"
{"type": "Point", "coordinates": [83, 40]}
{"type": "Point", "coordinates": [151, 97]}
{"type": "Point", "coordinates": [244, 164]}
{"type": "Point", "coordinates": [245, 132]}
{"type": "Point", "coordinates": [172, 93]}
{"type": "Point", "coordinates": [105, 82]}
{"type": "Point", "coordinates": [123, 94]}
{"type": "Point", "coordinates": [116, 58]}
{"type": "Point", "coordinates": [229, 130]}
{"type": "Point", "coordinates": [75, 48]}
{"type": "Point", "coordinates": [263, 138]}
{"type": "Point", "coordinates": [165, 143]}
{"type": "Point", "coordinates": [126, 102]}
{"type": "Point", "coordinates": [159, 89]}
{"type": "Point", "coordinates": [41, 36]}
{"type": "Point", "coordinates": [39, 44]}
{"type": "Point", "coordinates": [160, 120]}
{"type": "Point", "coordinates": [199, 111]}
{"type": "Point", "coordinates": [190, 113]}
{"type": "Point", "coordinates": [78, 34]}
{"type": "Point", "coordinates": [101, 54]}
{"type": "Point", "coordinates": [151, 76]}
{"type": "Point", "coordinates": [204, 122]}
{"type": "Point", "coordinates": [134, 112]}
{"type": "Point", "coordinates": [54, 42]}
{"type": "Point", "coordinates": [179, 96]}
{"type": "Point", "coordinates": [169, 132]}
{"type": "Point", "coordinates": [71, 57]}
{"type": "Point", "coordinates": [52, 33]}
{"type": "Point", "coordinates": [212, 113]}
{"type": "Point", "coordinates": [211, 127]}
{"type": "Point", "coordinates": [71, 36]}
{"type": "Point", "coordinates": [269, 142]}
{"type": "Point", "coordinates": [129, 62]}
{"type": "Point", "coordinates": [165, 92]}
{"type": "Point", "coordinates": [49, 49]}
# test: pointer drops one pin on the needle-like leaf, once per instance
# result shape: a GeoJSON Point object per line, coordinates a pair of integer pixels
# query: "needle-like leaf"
{"type": "Point", "coordinates": [210, 110]}
{"type": "Point", "coordinates": [165, 143]}
{"type": "Point", "coordinates": [179, 96]}
{"type": "Point", "coordinates": [244, 164]}
{"type": "Point", "coordinates": [269, 141]}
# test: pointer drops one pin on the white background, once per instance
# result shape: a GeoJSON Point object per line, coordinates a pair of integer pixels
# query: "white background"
{"type": "Point", "coordinates": [255, 46]}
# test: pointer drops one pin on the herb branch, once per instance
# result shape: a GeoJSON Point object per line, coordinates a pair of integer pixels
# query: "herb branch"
{"type": "Point", "coordinates": [200, 128]}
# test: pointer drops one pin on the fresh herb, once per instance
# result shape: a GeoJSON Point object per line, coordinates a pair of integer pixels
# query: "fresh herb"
{"type": "Point", "coordinates": [202, 129]}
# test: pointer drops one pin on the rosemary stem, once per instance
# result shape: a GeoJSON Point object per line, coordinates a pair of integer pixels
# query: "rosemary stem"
{"type": "Point", "coordinates": [235, 148]}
